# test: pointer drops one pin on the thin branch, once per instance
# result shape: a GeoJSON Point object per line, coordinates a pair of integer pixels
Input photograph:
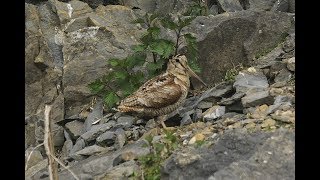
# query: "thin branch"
{"type": "Point", "coordinates": [178, 33]}
{"type": "Point", "coordinates": [48, 144]}
{"type": "Point", "coordinates": [29, 156]}
{"type": "Point", "coordinates": [67, 168]}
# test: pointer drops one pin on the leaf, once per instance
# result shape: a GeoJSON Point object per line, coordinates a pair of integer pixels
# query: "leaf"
{"type": "Point", "coordinates": [168, 23]}
{"type": "Point", "coordinates": [113, 62]}
{"type": "Point", "coordinates": [138, 48]}
{"type": "Point", "coordinates": [121, 75]}
{"type": "Point", "coordinates": [136, 59]}
{"type": "Point", "coordinates": [194, 66]}
{"type": "Point", "coordinates": [154, 32]}
{"type": "Point", "coordinates": [162, 47]}
{"type": "Point", "coordinates": [96, 86]}
{"type": "Point", "coordinates": [153, 16]}
{"type": "Point", "coordinates": [111, 99]}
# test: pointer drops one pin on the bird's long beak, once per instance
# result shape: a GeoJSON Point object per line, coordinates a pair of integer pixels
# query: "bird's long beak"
{"type": "Point", "coordinates": [195, 75]}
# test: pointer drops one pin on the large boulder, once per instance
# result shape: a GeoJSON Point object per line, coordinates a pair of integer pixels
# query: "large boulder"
{"type": "Point", "coordinates": [110, 33]}
{"type": "Point", "coordinates": [237, 155]}
{"type": "Point", "coordinates": [230, 39]}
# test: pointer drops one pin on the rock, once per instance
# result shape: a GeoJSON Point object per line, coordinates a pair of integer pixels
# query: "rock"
{"type": "Point", "coordinates": [186, 119]}
{"type": "Point", "coordinates": [213, 113]}
{"type": "Point", "coordinates": [215, 58]}
{"type": "Point", "coordinates": [36, 168]}
{"type": "Point", "coordinates": [214, 10]}
{"type": "Point", "coordinates": [283, 76]}
{"type": "Point", "coordinates": [79, 145]}
{"type": "Point", "coordinates": [258, 98]}
{"type": "Point", "coordinates": [120, 137]}
{"type": "Point", "coordinates": [269, 59]}
{"type": "Point", "coordinates": [151, 124]}
{"type": "Point", "coordinates": [291, 64]}
{"type": "Point", "coordinates": [125, 121]}
{"type": "Point", "coordinates": [66, 148]}
{"type": "Point", "coordinates": [198, 137]}
{"type": "Point", "coordinates": [284, 116]}
{"type": "Point", "coordinates": [228, 101]}
{"type": "Point", "coordinates": [282, 5]}
{"type": "Point", "coordinates": [246, 81]}
{"type": "Point", "coordinates": [106, 139]}
{"type": "Point", "coordinates": [204, 105]}
{"type": "Point", "coordinates": [57, 135]}
{"type": "Point", "coordinates": [97, 130]}
{"type": "Point", "coordinates": [68, 11]}
{"type": "Point", "coordinates": [230, 6]}
{"type": "Point", "coordinates": [276, 151]}
{"type": "Point", "coordinates": [86, 51]}
{"type": "Point", "coordinates": [91, 150]}
{"type": "Point", "coordinates": [268, 123]}
{"type": "Point", "coordinates": [32, 157]}
{"type": "Point", "coordinates": [275, 68]}
{"type": "Point", "coordinates": [123, 171]}
{"type": "Point", "coordinates": [75, 129]}
{"type": "Point", "coordinates": [260, 112]}
{"type": "Point", "coordinates": [96, 114]}
{"type": "Point", "coordinates": [197, 115]}
{"type": "Point", "coordinates": [99, 164]}
{"type": "Point", "coordinates": [235, 152]}
{"type": "Point", "coordinates": [265, 5]}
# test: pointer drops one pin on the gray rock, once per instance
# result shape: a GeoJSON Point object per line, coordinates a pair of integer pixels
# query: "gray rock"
{"type": "Point", "coordinates": [214, 10]}
{"type": "Point", "coordinates": [270, 58]}
{"type": "Point", "coordinates": [257, 98]}
{"type": "Point", "coordinates": [68, 11]}
{"type": "Point", "coordinates": [125, 121]}
{"type": "Point", "coordinates": [276, 151]}
{"type": "Point", "coordinates": [276, 68]}
{"type": "Point", "coordinates": [74, 129]}
{"type": "Point", "coordinates": [151, 124]}
{"type": "Point", "coordinates": [186, 119]}
{"type": "Point", "coordinates": [96, 114]}
{"type": "Point", "coordinates": [57, 135]}
{"type": "Point", "coordinates": [197, 115]}
{"type": "Point", "coordinates": [120, 137]}
{"type": "Point", "coordinates": [40, 166]}
{"type": "Point", "coordinates": [122, 171]}
{"type": "Point", "coordinates": [66, 148]}
{"type": "Point", "coordinates": [79, 145]}
{"type": "Point", "coordinates": [214, 58]}
{"type": "Point", "coordinates": [246, 81]}
{"type": "Point", "coordinates": [216, 92]}
{"type": "Point", "coordinates": [106, 139]}
{"type": "Point", "coordinates": [100, 164]}
{"type": "Point", "coordinates": [283, 77]}
{"type": "Point", "coordinates": [235, 97]}
{"type": "Point", "coordinates": [90, 150]}
{"type": "Point", "coordinates": [86, 51]}
{"type": "Point", "coordinates": [214, 113]}
{"type": "Point", "coordinates": [236, 151]}
{"type": "Point", "coordinates": [291, 64]}
{"type": "Point", "coordinates": [96, 131]}
{"type": "Point", "coordinates": [32, 157]}
{"type": "Point", "coordinates": [262, 4]}
{"type": "Point", "coordinates": [281, 5]}
{"type": "Point", "coordinates": [204, 105]}
{"type": "Point", "coordinates": [230, 5]}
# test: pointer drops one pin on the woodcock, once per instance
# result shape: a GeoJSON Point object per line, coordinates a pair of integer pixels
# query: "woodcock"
{"type": "Point", "coordinates": [162, 94]}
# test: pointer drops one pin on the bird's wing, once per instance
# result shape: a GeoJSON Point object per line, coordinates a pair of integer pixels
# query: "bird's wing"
{"type": "Point", "coordinates": [158, 92]}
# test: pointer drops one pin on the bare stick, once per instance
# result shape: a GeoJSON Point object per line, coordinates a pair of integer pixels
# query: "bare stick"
{"type": "Point", "coordinates": [48, 144]}
{"type": "Point", "coordinates": [67, 168]}
{"type": "Point", "coordinates": [29, 156]}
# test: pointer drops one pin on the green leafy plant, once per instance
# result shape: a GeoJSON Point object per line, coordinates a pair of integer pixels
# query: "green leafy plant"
{"type": "Point", "coordinates": [122, 80]}
{"type": "Point", "coordinates": [159, 151]}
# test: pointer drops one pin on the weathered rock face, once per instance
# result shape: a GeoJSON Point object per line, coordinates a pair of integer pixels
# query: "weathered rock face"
{"type": "Point", "coordinates": [87, 50]}
{"type": "Point", "coordinates": [222, 46]}
{"type": "Point", "coordinates": [237, 155]}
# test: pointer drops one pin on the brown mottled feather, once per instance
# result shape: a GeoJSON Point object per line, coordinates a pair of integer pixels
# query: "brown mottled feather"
{"type": "Point", "coordinates": [155, 93]}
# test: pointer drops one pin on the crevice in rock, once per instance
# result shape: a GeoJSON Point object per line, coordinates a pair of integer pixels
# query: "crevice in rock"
{"type": "Point", "coordinates": [245, 4]}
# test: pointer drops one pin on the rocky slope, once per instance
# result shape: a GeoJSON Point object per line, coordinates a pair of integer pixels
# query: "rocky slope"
{"type": "Point", "coordinates": [245, 125]}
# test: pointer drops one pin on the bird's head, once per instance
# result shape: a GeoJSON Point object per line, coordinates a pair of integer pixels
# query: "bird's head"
{"type": "Point", "coordinates": [178, 65]}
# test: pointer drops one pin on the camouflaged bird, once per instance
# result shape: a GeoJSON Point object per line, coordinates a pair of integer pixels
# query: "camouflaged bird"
{"type": "Point", "coordinates": [162, 94]}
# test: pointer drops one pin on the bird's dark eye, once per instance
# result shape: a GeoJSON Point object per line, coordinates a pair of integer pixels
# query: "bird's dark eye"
{"type": "Point", "coordinates": [177, 60]}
